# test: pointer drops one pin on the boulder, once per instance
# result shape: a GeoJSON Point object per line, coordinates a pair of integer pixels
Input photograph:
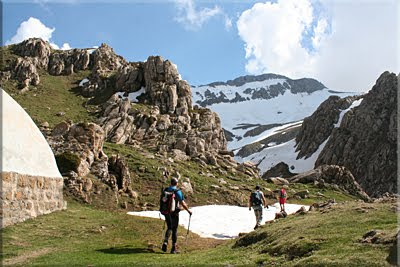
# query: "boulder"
{"type": "Point", "coordinates": [279, 170]}
{"type": "Point", "coordinates": [278, 181]}
{"type": "Point", "coordinates": [334, 175]}
{"type": "Point", "coordinates": [119, 168]}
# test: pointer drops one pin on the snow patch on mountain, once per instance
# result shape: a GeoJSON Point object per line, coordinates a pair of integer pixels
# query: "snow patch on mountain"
{"type": "Point", "coordinates": [343, 112]}
{"type": "Point", "coordinates": [236, 144]}
{"type": "Point", "coordinates": [133, 96]}
{"type": "Point", "coordinates": [286, 152]}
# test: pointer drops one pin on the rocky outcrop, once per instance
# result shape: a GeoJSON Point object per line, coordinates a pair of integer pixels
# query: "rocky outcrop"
{"type": "Point", "coordinates": [366, 141]}
{"type": "Point", "coordinates": [26, 72]}
{"type": "Point", "coordinates": [195, 133]}
{"type": "Point", "coordinates": [328, 175]}
{"type": "Point", "coordinates": [68, 62]}
{"type": "Point", "coordinates": [319, 126]}
{"type": "Point", "coordinates": [34, 48]}
{"type": "Point", "coordinates": [119, 174]}
{"type": "Point", "coordinates": [164, 87]}
{"type": "Point", "coordinates": [279, 170]}
{"type": "Point", "coordinates": [79, 148]}
{"type": "Point", "coordinates": [37, 54]}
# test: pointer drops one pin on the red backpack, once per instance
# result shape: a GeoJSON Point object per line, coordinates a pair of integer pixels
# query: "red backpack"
{"type": "Point", "coordinates": [168, 201]}
{"type": "Point", "coordinates": [282, 193]}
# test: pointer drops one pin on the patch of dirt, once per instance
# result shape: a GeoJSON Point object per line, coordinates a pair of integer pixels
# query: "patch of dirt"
{"type": "Point", "coordinates": [27, 256]}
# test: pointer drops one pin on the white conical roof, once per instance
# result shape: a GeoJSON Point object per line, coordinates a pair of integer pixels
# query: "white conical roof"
{"type": "Point", "coordinates": [24, 148]}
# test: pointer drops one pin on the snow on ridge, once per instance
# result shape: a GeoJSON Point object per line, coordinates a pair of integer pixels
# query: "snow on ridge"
{"type": "Point", "coordinates": [231, 90]}
{"type": "Point", "coordinates": [284, 108]}
{"type": "Point", "coordinates": [237, 144]}
{"type": "Point", "coordinates": [343, 112]}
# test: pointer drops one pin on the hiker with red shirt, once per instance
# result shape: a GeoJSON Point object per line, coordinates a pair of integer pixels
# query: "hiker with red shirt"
{"type": "Point", "coordinates": [282, 198]}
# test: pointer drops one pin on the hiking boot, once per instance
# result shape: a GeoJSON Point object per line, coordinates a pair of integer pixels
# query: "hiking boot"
{"type": "Point", "coordinates": [174, 250]}
{"type": "Point", "coordinates": [164, 247]}
{"type": "Point", "coordinates": [255, 227]}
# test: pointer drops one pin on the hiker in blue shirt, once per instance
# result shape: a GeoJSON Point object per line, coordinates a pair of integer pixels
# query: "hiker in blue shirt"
{"type": "Point", "coordinates": [175, 200]}
{"type": "Point", "coordinates": [257, 202]}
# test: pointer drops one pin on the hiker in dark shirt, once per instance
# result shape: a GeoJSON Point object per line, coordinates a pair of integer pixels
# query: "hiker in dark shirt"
{"type": "Point", "coordinates": [257, 202]}
{"type": "Point", "coordinates": [172, 215]}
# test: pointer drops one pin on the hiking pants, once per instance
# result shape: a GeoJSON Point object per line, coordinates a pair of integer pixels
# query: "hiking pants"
{"type": "Point", "coordinates": [258, 211]}
{"type": "Point", "coordinates": [172, 223]}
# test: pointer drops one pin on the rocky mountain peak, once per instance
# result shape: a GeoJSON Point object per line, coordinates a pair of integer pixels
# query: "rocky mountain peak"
{"type": "Point", "coordinates": [319, 126]}
{"type": "Point", "coordinates": [365, 139]}
{"type": "Point", "coordinates": [34, 47]}
{"type": "Point", "coordinates": [104, 58]}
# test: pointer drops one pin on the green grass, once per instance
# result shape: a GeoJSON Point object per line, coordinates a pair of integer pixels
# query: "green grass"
{"type": "Point", "coordinates": [54, 94]}
{"type": "Point", "coordinates": [84, 236]}
{"type": "Point", "coordinates": [331, 238]}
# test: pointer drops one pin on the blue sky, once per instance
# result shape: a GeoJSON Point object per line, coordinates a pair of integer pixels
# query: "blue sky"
{"type": "Point", "coordinates": [344, 44]}
{"type": "Point", "coordinates": [138, 30]}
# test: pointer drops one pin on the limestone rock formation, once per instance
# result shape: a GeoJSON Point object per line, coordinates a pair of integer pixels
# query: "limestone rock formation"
{"type": "Point", "coordinates": [26, 72]}
{"type": "Point", "coordinates": [34, 48]}
{"type": "Point", "coordinates": [68, 62]}
{"type": "Point", "coordinates": [366, 142]}
{"type": "Point", "coordinates": [79, 148]}
{"type": "Point", "coordinates": [195, 133]}
{"type": "Point", "coordinates": [119, 174]}
{"type": "Point", "coordinates": [332, 175]}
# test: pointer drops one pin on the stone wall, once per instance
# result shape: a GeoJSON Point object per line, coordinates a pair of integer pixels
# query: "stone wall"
{"type": "Point", "coordinates": [27, 196]}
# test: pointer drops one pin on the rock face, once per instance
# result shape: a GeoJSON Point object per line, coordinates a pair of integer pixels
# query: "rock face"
{"type": "Point", "coordinates": [31, 182]}
{"type": "Point", "coordinates": [319, 126]}
{"type": "Point", "coordinates": [365, 142]}
{"type": "Point", "coordinates": [332, 175]}
{"type": "Point", "coordinates": [119, 173]}
{"type": "Point", "coordinates": [79, 148]}
{"type": "Point", "coordinates": [279, 170]}
{"type": "Point", "coordinates": [26, 73]}
{"type": "Point", "coordinates": [194, 132]}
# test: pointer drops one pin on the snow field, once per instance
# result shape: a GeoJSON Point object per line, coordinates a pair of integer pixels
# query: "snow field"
{"type": "Point", "coordinates": [222, 221]}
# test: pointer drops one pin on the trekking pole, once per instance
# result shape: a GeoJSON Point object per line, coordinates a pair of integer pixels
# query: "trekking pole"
{"type": "Point", "coordinates": [190, 216]}
{"type": "Point", "coordinates": [162, 232]}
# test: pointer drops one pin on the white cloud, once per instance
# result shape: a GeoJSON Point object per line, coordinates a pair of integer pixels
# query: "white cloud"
{"type": "Point", "coordinates": [66, 46]}
{"type": "Point", "coordinates": [29, 29]}
{"type": "Point", "coordinates": [347, 50]}
{"type": "Point", "coordinates": [193, 18]}
{"type": "Point", "coordinates": [33, 27]}
{"type": "Point", "coordinates": [228, 23]}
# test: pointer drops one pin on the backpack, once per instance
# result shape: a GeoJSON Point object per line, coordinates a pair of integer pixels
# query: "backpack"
{"type": "Point", "coordinates": [282, 193]}
{"type": "Point", "coordinates": [255, 198]}
{"type": "Point", "coordinates": [168, 201]}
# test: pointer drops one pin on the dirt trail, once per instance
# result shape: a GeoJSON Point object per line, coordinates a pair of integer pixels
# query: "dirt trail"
{"type": "Point", "coordinates": [27, 256]}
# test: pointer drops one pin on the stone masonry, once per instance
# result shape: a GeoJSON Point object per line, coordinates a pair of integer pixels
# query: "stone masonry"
{"type": "Point", "coordinates": [26, 196]}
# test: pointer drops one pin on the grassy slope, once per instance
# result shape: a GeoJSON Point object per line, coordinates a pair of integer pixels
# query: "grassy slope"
{"type": "Point", "coordinates": [54, 94]}
{"type": "Point", "coordinates": [75, 237]}
{"type": "Point", "coordinates": [150, 181]}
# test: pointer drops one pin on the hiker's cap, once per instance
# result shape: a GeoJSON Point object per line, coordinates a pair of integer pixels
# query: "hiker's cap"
{"type": "Point", "coordinates": [174, 181]}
